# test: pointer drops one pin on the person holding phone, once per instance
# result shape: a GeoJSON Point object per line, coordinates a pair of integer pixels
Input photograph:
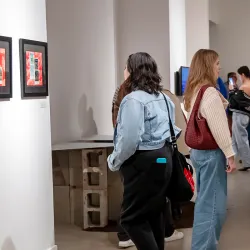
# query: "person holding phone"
{"type": "Point", "coordinates": [240, 106]}
{"type": "Point", "coordinates": [231, 83]}
{"type": "Point", "coordinates": [232, 80]}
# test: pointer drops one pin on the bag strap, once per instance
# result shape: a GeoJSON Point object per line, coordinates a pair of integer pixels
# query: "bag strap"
{"type": "Point", "coordinates": [199, 97]}
{"type": "Point", "coordinates": [173, 137]}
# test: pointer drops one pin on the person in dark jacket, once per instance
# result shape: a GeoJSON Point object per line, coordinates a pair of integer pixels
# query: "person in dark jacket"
{"type": "Point", "coordinates": [240, 106]}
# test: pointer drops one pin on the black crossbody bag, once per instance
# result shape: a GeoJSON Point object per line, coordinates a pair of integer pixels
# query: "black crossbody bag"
{"type": "Point", "coordinates": [179, 189]}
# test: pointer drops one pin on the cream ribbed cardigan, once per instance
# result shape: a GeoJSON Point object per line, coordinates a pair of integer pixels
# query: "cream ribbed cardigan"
{"type": "Point", "coordinates": [212, 108]}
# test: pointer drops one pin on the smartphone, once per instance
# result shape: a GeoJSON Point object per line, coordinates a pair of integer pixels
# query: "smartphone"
{"type": "Point", "coordinates": [231, 82]}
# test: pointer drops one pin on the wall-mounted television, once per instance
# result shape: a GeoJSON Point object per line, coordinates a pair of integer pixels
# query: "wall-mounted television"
{"type": "Point", "coordinates": [181, 78]}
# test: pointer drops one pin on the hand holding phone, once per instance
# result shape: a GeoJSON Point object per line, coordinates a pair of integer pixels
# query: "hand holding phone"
{"type": "Point", "coordinates": [231, 83]}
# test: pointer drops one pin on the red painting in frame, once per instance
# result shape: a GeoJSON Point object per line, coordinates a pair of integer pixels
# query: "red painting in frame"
{"type": "Point", "coordinates": [2, 68]}
{"type": "Point", "coordinates": [34, 68]}
{"type": "Point", "coordinates": [5, 67]}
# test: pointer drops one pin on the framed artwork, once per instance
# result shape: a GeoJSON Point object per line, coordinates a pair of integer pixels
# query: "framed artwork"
{"type": "Point", "coordinates": [5, 67]}
{"type": "Point", "coordinates": [34, 68]}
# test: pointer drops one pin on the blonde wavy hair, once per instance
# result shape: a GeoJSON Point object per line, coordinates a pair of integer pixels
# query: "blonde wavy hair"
{"type": "Point", "coordinates": [201, 72]}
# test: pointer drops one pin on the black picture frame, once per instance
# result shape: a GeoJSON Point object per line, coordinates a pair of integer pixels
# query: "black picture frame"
{"type": "Point", "coordinates": [6, 88]}
{"type": "Point", "coordinates": [37, 84]}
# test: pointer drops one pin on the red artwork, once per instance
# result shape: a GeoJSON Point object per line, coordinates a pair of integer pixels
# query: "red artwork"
{"type": "Point", "coordinates": [2, 68]}
{"type": "Point", "coordinates": [34, 68]}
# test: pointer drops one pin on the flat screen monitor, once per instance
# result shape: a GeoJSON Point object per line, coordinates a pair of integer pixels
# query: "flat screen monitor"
{"type": "Point", "coordinates": [183, 77]}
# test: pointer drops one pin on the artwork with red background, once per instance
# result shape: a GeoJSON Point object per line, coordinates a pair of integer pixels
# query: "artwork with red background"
{"type": "Point", "coordinates": [34, 68]}
{"type": "Point", "coordinates": [2, 68]}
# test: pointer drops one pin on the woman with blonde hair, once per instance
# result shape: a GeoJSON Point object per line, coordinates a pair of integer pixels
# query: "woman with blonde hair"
{"type": "Point", "coordinates": [210, 165]}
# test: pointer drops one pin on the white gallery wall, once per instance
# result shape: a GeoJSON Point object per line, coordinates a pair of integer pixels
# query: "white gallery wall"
{"type": "Point", "coordinates": [143, 26]}
{"type": "Point", "coordinates": [26, 210]}
{"type": "Point", "coordinates": [197, 26]}
{"type": "Point", "coordinates": [231, 36]}
{"type": "Point", "coordinates": [177, 37]}
{"type": "Point", "coordinates": [213, 37]}
{"type": "Point", "coordinates": [82, 67]}
{"type": "Point", "coordinates": [214, 13]}
{"type": "Point", "coordinates": [90, 41]}
{"type": "Point", "coordinates": [189, 32]}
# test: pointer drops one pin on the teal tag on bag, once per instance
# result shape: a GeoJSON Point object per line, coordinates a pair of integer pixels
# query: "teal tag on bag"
{"type": "Point", "coordinates": [161, 160]}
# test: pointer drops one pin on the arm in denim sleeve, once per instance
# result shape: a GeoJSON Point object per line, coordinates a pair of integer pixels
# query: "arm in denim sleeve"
{"type": "Point", "coordinates": [129, 130]}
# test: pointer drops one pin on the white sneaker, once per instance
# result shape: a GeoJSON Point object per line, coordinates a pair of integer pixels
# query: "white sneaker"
{"type": "Point", "coordinates": [126, 244]}
{"type": "Point", "coordinates": [175, 236]}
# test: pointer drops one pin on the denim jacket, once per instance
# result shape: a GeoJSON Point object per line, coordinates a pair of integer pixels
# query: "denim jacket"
{"type": "Point", "coordinates": [142, 124]}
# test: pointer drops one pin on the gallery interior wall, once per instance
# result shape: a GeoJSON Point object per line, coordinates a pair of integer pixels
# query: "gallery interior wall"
{"type": "Point", "coordinates": [213, 37]}
{"type": "Point", "coordinates": [87, 57]}
{"type": "Point", "coordinates": [26, 212]}
{"type": "Point", "coordinates": [231, 36]}
{"type": "Point", "coordinates": [214, 12]}
{"type": "Point", "coordinates": [177, 38]}
{"type": "Point", "coordinates": [82, 67]}
{"type": "Point", "coordinates": [143, 31]}
{"type": "Point", "coordinates": [87, 54]}
{"type": "Point", "coordinates": [197, 27]}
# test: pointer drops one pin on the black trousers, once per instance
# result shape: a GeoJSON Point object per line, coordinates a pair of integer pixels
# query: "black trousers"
{"type": "Point", "coordinates": [169, 225]}
{"type": "Point", "coordinates": [145, 182]}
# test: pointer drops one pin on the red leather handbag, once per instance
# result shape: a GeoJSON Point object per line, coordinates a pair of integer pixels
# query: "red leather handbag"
{"type": "Point", "coordinates": [198, 135]}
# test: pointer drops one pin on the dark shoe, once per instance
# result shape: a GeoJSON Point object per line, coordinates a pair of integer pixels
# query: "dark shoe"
{"type": "Point", "coordinates": [244, 169]}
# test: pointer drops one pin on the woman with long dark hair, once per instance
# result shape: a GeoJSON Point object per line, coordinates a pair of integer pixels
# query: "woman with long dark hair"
{"type": "Point", "coordinates": [172, 208]}
{"type": "Point", "coordinates": [143, 154]}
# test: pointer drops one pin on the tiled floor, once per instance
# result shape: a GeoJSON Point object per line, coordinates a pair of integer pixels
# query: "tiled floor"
{"type": "Point", "coordinates": [236, 234]}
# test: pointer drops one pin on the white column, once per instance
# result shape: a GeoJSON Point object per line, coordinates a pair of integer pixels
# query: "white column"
{"type": "Point", "coordinates": [197, 26]}
{"type": "Point", "coordinates": [26, 213]}
{"type": "Point", "coordinates": [177, 31]}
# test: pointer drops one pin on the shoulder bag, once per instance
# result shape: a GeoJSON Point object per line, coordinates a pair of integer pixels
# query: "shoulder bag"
{"type": "Point", "coordinates": [198, 135]}
{"type": "Point", "coordinates": [181, 188]}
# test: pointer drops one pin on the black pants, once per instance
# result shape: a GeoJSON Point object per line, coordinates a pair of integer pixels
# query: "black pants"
{"type": "Point", "coordinates": [169, 225]}
{"type": "Point", "coordinates": [144, 201]}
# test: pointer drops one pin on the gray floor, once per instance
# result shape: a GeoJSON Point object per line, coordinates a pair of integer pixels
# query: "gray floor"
{"type": "Point", "coordinates": [236, 233]}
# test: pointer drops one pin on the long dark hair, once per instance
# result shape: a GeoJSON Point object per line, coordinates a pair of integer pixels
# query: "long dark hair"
{"type": "Point", "coordinates": [144, 74]}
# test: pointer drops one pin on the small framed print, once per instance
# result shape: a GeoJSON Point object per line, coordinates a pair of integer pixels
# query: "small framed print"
{"type": "Point", "coordinates": [34, 68]}
{"type": "Point", "coordinates": [5, 67]}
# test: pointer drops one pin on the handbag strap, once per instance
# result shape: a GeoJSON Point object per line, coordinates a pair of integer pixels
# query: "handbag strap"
{"type": "Point", "coordinates": [173, 137]}
{"type": "Point", "coordinates": [199, 97]}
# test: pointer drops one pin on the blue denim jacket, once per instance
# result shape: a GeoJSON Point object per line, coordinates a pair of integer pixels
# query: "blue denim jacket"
{"type": "Point", "coordinates": [142, 124]}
